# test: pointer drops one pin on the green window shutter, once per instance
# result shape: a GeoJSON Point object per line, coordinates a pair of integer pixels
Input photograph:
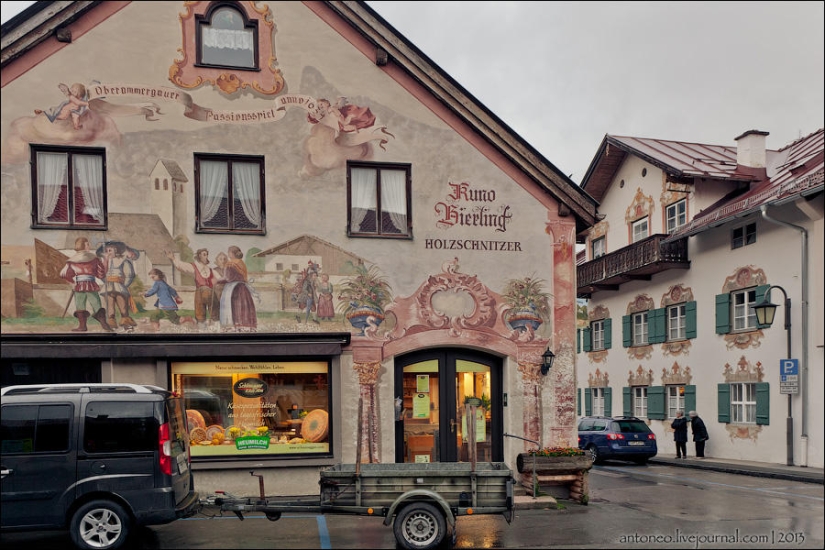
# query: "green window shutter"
{"type": "Point", "coordinates": [588, 402]}
{"type": "Point", "coordinates": [657, 327]}
{"type": "Point", "coordinates": [608, 333]}
{"type": "Point", "coordinates": [723, 400]}
{"type": "Point", "coordinates": [690, 399]}
{"type": "Point", "coordinates": [627, 331]}
{"type": "Point", "coordinates": [587, 343]}
{"type": "Point", "coordinates": [656, 403]}
{"type": "Point", "coordinates": [760, 295]}
{"type": "Point", "coordinates": [763, 403]}
{"type": "Point", "coordinates": [578, 340]}
{"type": "Point", "coordinates": [627, 406]}
{"type": "Point", "coordinates": [690, 319]}
{"type": "Point", "coordinates": [579, 402]}
{"type": "Point", "coordinates": [722, 313]}
{"type": "Point", "coordinates": [608, 402]}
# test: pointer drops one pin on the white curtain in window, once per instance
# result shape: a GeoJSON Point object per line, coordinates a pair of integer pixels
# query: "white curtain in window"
{"type": "Point", "coordinates": [52, 176]}
{"type": "Point", "coordinates": [394, 197]}
{"type": "Point", "coordinates": [246, 181]}
{"type": "Point", "coordinates": [364, 195]}
{"type": "Point", "coordinates": [88, 176]}
{"type": "Point", "coordinates": [213, 187]}
{"type": "Point", "coordinates": [227, 39]}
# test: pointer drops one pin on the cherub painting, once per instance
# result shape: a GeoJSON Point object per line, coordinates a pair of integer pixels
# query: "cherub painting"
{"type": "Point", "coordinates": [74, 106]}
{"type": "Point", "coordinates": [340, 132]}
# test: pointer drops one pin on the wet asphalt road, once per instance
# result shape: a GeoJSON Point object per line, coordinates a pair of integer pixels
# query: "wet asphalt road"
{"type": "Point", "coordinates": [631, 506]}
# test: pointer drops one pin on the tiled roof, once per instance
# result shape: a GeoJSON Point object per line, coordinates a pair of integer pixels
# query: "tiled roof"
{"type": "Point", "coordinates": [794, 171]}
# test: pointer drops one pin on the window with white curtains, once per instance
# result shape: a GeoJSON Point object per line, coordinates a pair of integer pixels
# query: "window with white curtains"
{"type": "Point", "coordinates": [379, 200]}
{"type": "Point", "coordinates": [69, 187]}
{"type": "Point", "coordinates": [228, 39]}
{"type": "Point", "coordinates": [230, 194]}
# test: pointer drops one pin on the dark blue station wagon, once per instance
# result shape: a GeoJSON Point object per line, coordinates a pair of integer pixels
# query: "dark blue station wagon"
{"type": "Point", "coordinates": [620, 438]}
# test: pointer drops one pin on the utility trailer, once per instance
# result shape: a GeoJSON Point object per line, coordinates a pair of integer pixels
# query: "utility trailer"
{"type": "Point", "coordinates": [420, 500]}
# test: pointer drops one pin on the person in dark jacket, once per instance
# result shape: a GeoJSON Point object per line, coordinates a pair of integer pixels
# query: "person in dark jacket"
{"type": "Point", "coordinates": [679, 426]}
{"type": "Point", "coordinates": [700, 434]}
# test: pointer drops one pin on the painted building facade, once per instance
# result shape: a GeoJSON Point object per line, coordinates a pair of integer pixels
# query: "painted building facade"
{"type": "Point", "coordinates": [691, 236]}
{"type": "Point", "coordinates": [288, 214]}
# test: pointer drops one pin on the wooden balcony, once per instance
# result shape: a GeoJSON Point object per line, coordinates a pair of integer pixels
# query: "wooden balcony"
{"type": "Point", "coordinates": [638, 261]}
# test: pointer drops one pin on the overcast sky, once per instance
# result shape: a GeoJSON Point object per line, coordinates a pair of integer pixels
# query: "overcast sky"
{"type": "Point", "coordinates": [564, 74]}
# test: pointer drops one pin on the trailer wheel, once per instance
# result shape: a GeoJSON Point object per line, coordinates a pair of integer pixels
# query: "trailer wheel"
{"type": "Point", "coordinates": [419, 526]}
{"type": "Point", "coordinates": [273, 516]}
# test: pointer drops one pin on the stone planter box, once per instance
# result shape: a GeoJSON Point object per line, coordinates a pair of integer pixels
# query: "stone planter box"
{"type": "Point", "coordinates": [553, 465]}
{"type": "Point", "coordinates": [561, 476]}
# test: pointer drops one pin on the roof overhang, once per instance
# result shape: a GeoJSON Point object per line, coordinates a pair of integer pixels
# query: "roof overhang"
{"type": "Point", "coordinates": [207, 345]}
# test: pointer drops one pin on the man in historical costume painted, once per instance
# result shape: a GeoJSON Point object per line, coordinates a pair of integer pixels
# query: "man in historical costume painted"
{"type": "Point", "coordinates": [205, 279]}
{"type": "Point", "coordinates": [237, 303]}
{"type": "Point", "coordinates": [83, 269]}
{"type": "Point", "coordinates": [309, 293]}
{"type": "Point", "coordinates": [120, 274]}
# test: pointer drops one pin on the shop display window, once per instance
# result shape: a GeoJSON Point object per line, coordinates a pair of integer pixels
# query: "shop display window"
{"type": "Point", "coordinates": [252, 408]}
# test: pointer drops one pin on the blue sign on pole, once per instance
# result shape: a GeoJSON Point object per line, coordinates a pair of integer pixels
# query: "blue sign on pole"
{"type": "Point", "coordinates": [789, 376]}
{"type": "Point", "coordinates": [788, 367]}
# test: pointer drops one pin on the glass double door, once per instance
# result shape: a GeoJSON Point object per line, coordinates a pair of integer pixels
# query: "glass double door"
{"type": "Point", "coordinates": [437, 393]}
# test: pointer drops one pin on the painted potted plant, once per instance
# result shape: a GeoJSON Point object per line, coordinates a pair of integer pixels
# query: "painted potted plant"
{"type": "Point", "coordinates": [529, 304]}
{"type": "Point", "coordinates": [363, 297]}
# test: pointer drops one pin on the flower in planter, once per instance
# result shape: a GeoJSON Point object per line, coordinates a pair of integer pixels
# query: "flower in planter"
{"type": "Point", "coordinates": [367, 287]}
{"type": "Point", "coordinates": [528, 294]}
{"type": "Point", "coordinates": [557, 451]}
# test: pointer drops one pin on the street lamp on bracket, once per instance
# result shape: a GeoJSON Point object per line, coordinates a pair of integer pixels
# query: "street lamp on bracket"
{"type": "Point", "coordinates": [765, 313]}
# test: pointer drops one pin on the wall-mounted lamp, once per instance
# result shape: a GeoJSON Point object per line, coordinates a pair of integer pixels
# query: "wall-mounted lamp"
{"type": "Point", "coordinates": [547, 361]}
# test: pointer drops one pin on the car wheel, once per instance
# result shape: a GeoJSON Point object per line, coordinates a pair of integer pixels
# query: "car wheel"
{"type": "Point", "coordinates": [594, 454]}
{"type": "Point", "coordinates": [100, 525]}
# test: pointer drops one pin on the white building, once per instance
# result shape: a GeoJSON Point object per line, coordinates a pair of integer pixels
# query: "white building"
{"type": "Point", "coordinates": [691, 236]}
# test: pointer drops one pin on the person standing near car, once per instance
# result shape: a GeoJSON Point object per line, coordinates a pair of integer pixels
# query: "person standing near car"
{"type": "Point", "coordinates": [679, 426]}
{"type": "Point", "coordinates": [700, 434]}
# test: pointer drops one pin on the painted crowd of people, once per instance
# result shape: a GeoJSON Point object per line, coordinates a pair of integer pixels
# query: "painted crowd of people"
{"type": "Point", "coordinates": [101, 284]}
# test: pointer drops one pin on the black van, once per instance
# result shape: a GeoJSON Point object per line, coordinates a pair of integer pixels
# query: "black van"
{"type": "Point", "coordinates": [96, 459]}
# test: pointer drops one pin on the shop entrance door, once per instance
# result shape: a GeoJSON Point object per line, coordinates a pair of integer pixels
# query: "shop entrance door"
{"type": "Point", "coordinates": [433, 387]}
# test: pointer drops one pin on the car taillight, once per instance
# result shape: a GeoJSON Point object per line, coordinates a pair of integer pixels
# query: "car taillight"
{"type": "Point", "coordinates": [614, 437]}
{"type": "Point", "coordinates": [651, 436]}
{"type": "Point", "coordinates": [165, 449]}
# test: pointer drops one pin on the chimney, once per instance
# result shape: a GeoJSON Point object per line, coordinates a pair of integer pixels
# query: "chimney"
{"type": "Point", "coordinates": [750, 150]}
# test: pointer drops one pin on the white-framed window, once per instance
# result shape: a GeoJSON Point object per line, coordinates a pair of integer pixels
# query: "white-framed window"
{"type": "Point", "coordinates": [597, 396]}
{"type": "Point", "coordinates": [675, 400]}
{"type": "Point", "coordinates": [230, 194]}
{"type": "Point", "coordinates": [676, 329]}
{"type": "Point", "coordinates": [743, 403]}
{"type": "Point", "coordinates": [598, 247]}
{"type": "Point", "coordinates": [597, 335]}
{"type": "Point", "coordinates": [228, 39]}
{"type": "Point", "coordinates": [639, 401]}
{"type": "Point", "coordinates": [640, 230]}
{"type": "Point", "coordinates": [379, 200]}
{"type": "Point", "coordinates": [69, 187]}
{"type": "Point", "coordinates": [676, 215]}
{"type": "Point", "coordinates": [743, 236]}
{"type": "Point", "coordinates": [744, 316]}
{"type": "Point", "coordinates": [640, 329]}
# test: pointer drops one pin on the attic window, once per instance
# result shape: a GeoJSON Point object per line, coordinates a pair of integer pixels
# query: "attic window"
{"type": "Point", "coordinates": [227, 39]}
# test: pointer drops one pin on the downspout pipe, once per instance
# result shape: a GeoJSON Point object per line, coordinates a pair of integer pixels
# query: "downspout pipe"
{"type": "Point", "coordinates": [803, 382]}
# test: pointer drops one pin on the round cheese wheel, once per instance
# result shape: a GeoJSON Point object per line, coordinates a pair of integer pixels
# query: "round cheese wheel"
{"type": "Point", "coordinates": [195, 419]}
{"type": "Point", "coordinates": [315, 426]}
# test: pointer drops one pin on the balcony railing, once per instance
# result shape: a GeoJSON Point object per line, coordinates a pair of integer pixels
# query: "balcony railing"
{"type": "Point", "coordinates": [638, 261]}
